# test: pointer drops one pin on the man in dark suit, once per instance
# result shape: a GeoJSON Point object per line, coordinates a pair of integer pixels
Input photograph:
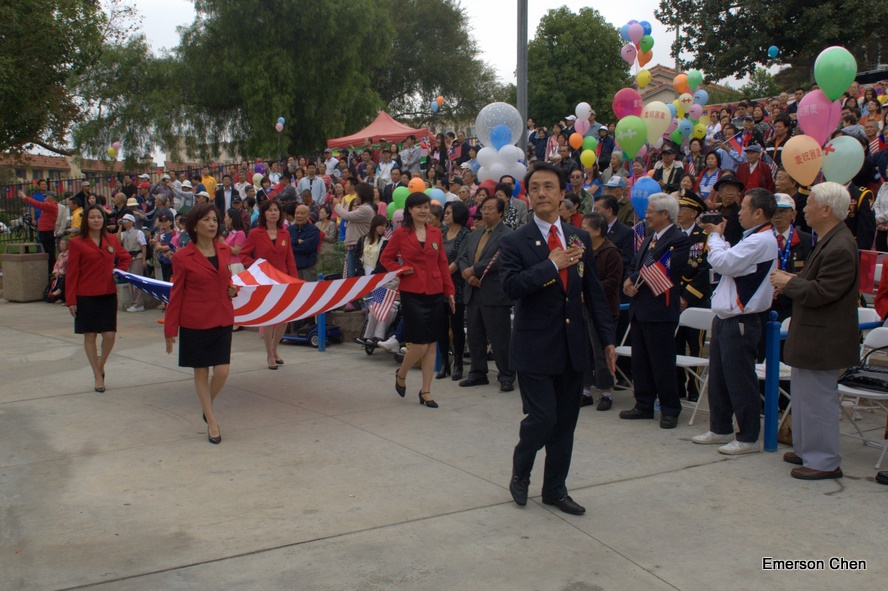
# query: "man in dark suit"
{"type": "Point", "coordinates": [488, 308]}
{"type": "Point", "coordinates": [224, 195]}
{"type": "Point", "coordinates": [389, 189]}
{"type": "Point", "coordinates": [655, 317]}
{"type": "Point", "coordinates": [548, 269]}
{"type": "Point", "coordinates": [694, 288]}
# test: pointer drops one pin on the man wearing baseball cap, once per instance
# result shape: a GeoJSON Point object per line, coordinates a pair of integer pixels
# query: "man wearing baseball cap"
{"type": "Point", "coordinates": [793, 248]}
{"type": "Point", "coordinates": [330, 160]}
{"type": "Point", "coordinates": [616, 187]}
{"type": "Point", "coordinates": [134, 242]}
{"type": "Point", "coordinates": [82, 196]}
{"type": "Point", "coordinates": [754, 173]}
{"type": "Point", "coordinates": [669, 175]}
{"type": "Point", "coordinates": [729, 189]}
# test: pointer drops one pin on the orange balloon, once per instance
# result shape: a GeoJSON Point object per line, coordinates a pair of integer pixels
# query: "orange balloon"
{"type": "Point", "coordinates": [680, 84]}
{"type": "Point", "coordinates": [576, 141]}
{"type": "Point", "coordinates": [802, 158]}
{"type": "Point", "coordinates": [438, 203]}
{"type": "Point", "coordinates": [416, 186]}
{"type": "Point", "coordinates": [440, 100]}
{"type": "Point", "coordinates": [645, 57]}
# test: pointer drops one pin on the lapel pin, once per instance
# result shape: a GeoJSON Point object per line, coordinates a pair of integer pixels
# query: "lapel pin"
{"type": "Point", "coordinates": [538, 243]}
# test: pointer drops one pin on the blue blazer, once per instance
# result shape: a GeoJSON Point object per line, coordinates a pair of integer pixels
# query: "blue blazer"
{"type": "Point", "coordinates": [645, 306]}
{"type": "Point", "coordinates": [549, 330]}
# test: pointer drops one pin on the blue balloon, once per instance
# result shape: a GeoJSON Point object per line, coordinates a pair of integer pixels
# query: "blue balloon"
{"type": "Point", "coordinates": [701, 97]}
{"type": "Point", "coordinates": [672, 110]}
{"type": "Point", "coordinates": [685, 127]}
{"type": "Point", "coordinates": [516, 190]}
{"type": "Point", "coordinates": [281, 120]}
{"type": "Point", "coordinates": [624, 33]}
{"type": "Point", "coordinates": [434, 106]}
{"type": "Point", "coordinates": [437, 195]}
{"type": "Point", "coordinates": [646, 26]}
{"type": "Point", "coordinates": [500, 136]}
{"type": "Point", "coordinates": [773, 51]}
{"type": "Point", "coordinates": [641, 193]}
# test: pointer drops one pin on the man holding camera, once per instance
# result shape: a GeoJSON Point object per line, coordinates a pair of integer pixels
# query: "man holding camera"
{"type": "Point", "coordinates": [742, 294]}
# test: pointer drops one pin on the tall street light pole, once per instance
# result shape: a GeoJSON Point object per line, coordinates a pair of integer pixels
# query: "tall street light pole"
{"type": "Point", "coordinates": [522, 68]}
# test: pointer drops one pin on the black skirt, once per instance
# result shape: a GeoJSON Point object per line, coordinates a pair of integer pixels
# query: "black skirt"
{"type": "Point", "coordinates": [206, 347]}
{"type": "Point", "coordinates": [425, 317]}
{"type": "Point", "coordinates": [96, 314]}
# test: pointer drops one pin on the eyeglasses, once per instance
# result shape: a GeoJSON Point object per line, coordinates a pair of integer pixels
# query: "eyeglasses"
{"type": "Point", "coordinates": [488, 209]}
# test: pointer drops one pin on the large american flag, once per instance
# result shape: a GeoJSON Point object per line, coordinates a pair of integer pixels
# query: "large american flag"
{"type": "Point", "coordinates": [269, 297]}
{"type": "Point", "coordinates": [656, 273]}
{"type": "Point", "coordinates": [381, 301]}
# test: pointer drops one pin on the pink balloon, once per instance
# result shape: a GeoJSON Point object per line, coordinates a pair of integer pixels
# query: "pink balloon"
{"type": "Point", "coordinates": [696, 112]}
{"type": "Point", "coordinates": [582, 126]}
{"type": "Point", "coordinates": [627, 102]}
{"type": "Point", "coordinates": [818, 116]}
{"type": "Point", "coordinates": [629, 53]}
{"type": "Point", "coordinates": [672, 125]}
{"type": "Point", "coordinates": [279, 127]}
{"type": "Point", "coordinates": [642, 152]}
{"type": "Point", "coordinates": [636, 32]}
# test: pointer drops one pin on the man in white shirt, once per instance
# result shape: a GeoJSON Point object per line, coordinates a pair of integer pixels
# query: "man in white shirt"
{"type": "Point", "coordinates": [330, 160]}
{"type": "Point", "coordinates": [312, 183]}
{"type": "Point", "coordinates": [384, 169]}
{"type": "Point", "coordinates": [743, 293]}
{"type": "Point", "coordinates": [410, 156]}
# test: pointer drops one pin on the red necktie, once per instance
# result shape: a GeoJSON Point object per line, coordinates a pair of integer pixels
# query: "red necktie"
{"type": "Point", "coordinates": [555, 244]}
{"type": "Point", "coordinates": [780, 241]}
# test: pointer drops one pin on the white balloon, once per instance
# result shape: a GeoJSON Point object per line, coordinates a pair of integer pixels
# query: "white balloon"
{"type": "Point", "coordinates": [487, 156]}
{"type": "Point", "coordinates": [518, 172]}
{"type": "Point", "coordinates": [583, 111]}
{"type": "Point", "coordinates": [498, 114]}
{"type": "Point", "coordinates": [484, 174]}
{"type": "Point", "coordinates": [498, 171]}
{"type": "Point", "coordinates": [510, 154]}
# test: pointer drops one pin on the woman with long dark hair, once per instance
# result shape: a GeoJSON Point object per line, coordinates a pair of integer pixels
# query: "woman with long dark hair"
{"type": "Point", "coordinates": [203, 282]}
{"type": "Point", "coordinates": [426, 290]}
{"type": "Point", "coordinates": [271, 242]}
{"type": "Point", "coordinates": [235, 238]}
{"type": "Point", "coordinates": [90, 292]}
{"type": "Point", "coordinates": [456, 217]}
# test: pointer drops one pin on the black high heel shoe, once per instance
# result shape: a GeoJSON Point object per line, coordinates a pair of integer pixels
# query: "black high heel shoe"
{"type": "Point", "coordinates": [214, 440]}
{"type": "Point", "coordinates": [443, 372]}
{"type": "Point", "coordinates": [401, 390]}
{"type": "Point", "coordinates": [430, 403]}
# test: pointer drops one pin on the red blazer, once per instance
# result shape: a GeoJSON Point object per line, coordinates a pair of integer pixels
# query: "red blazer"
{"type": "Point", "coordinates": [259, 246]}
{"type": "Point", "coordinates": [91, 268]}
{"type": "Point", "coordinates": [431, 270]}
{"type": "Point", "coordinates": [199, 298]}
{"type": "Point", "coordinates": [762, 176]}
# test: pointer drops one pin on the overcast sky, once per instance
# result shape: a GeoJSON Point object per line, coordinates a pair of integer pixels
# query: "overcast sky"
{"type": "Point", "coordinates": [493, 24]}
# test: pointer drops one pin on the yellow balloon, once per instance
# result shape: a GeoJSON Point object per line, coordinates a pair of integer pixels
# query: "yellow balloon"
{"type": "Point", "coordinates": [699, 131]}
{"type": "Point", "coordinates": [679, 111]}
{"type": "Point", "coordinates": [643, 78]}
{"type": "Point", "coordinates": [112, 152]}
{"type": "Point", "coordinates": [587, 157]}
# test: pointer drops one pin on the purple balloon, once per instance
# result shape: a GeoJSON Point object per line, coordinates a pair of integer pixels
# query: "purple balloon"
{"type": "Point", "coordinates": [636, 32]}
{"type": "Point", "coordinates": [672, 125]}
{"type": "Point", "coordinates": [695, 112]}
{"type": "Point", "coordinates": [629, 53]}
{"type": "Point", "coordinates": [818, 116]}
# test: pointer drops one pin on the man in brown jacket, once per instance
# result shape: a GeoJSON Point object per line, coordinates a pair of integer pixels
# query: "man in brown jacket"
{"type": "Point", "coordinates": [824, 310]}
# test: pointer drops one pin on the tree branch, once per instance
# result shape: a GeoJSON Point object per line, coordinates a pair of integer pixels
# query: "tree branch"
{"type": "Point", "coordinates": [60, 151]}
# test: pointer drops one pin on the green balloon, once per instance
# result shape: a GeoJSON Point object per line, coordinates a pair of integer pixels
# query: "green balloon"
{"type": "Point", "coordinates": [390, 209]}
{"type": "Point", "coordinates": [695, 79]}
{"type": "Point", "coordinates": [590, 143]}
{"type": "Point", "coordinates": [631, 133]}
{"type": "Point", "coordinates": [646, 43]}
{"type": "Point", "coordinates": [400, 191]}
{"type": "Point", "coordinates": [676, 137]}
{"type": "Point", "coordinates": [400, 199]}
{"type": "Point", "coordinates": [834, 71]}
{"type": "Point", "coordinates": [427, 191]}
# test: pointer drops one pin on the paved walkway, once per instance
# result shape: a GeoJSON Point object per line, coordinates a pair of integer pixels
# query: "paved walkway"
{"type": "Point", "coordinates": [326, 480]}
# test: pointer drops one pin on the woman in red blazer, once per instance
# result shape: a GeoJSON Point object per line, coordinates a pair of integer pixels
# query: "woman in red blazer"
{"type": "Point", "coordinates": [200, 309]}
{"type": "Point", "coordinates": [426, 290]}
{"type": "Point", "coordinates": [270, 242]}
{"type": "Point", "coordinates": [90, 292]}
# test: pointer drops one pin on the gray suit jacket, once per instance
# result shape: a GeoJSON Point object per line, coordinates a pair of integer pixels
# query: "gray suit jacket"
{"type": "Point", "coordinates": [491, 291]}
{"type": "Point", "coordinates": [823, 333]}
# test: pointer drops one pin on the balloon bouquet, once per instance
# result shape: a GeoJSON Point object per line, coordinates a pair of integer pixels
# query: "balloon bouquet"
{"type": "Point", "coordinates": [114, 150]}
{"type": "Point", "coordinates": [819, 114]}
{"type": "Point", "coordinates": [498, 126]}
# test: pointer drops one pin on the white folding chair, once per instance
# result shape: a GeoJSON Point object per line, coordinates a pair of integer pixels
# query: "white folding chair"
{"type": "Point", "coordinates": [697, 319]}
{"type": "Point", "coordinates": [624, 350]}
{"type": "Point", "coordinates": [878, 337]}
{"type": "Point", "coordinates": [785, 375]}
{"type": "Point", "coordinates": [868, 315]}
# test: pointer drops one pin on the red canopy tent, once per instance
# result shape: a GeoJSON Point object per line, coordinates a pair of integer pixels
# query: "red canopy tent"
{"type": "Point", "coordinates": [383, 127]}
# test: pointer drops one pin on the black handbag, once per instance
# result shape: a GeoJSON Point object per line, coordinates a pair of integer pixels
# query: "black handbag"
{"type": "Point", "coordinates": [867, 377]}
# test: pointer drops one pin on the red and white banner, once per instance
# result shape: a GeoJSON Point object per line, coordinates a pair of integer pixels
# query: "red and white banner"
{"type": "Point", "coordinates": [268, 296]}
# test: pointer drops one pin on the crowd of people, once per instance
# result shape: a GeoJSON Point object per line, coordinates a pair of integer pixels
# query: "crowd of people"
{"type": "Point", "coordinates": [496, 264]}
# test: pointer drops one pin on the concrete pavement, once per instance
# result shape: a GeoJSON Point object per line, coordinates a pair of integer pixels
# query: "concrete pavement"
{"type": "Point", "coordinates": [327, 480]}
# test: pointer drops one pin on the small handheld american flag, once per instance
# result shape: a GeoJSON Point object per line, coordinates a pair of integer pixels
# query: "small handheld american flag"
{"type": "Point", "coordinates": [656, 273]}
{"type": "Point", "coordinates": [381, 301]}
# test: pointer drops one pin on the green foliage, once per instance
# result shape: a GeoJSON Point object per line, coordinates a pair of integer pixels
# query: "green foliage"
{"type": "Point", "coordinates": [722, 94]}
{"type": "Point", "coordinates": [731, 37]}
{"type": "Point", "coordinates": [573, 58]}
{"type": "Point", "coordinates": [761, 84]}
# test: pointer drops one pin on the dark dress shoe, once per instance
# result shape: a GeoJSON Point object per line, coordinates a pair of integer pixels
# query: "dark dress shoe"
{"type": "Point", "coordinates": [401, 390]}
{"type": "Point", "coordinates": [634, 414]}
{"type": "Point", "coordinates": [792, 457]}
{"type": "Point", "coordinates": [457, 373]}
{"type": "Point", "coordinates": [804, 473]}
{"type": "Point", "coordinates": [586, 401]}
{"type": "Point", "coordinates": [605, 403]}
{"type": "Point", "coordinates": [668, 422]}
{"type": "Point", "coordinates": [214, 440]}
{"type": "Point", "coordinates": [518, 487]}
{"type": "Point", "coordinates": [429, 403]}
{"type": "Point", "coordinates": [506, 387]}
{"type": "Point", "coordinates": [882, 477]}
{"type": "Point", "coordinates": [566, 504]}
{"type": "Point", "coordinates": [469, 382]}
{"type": "Point", "coordinates": [443, 372]}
